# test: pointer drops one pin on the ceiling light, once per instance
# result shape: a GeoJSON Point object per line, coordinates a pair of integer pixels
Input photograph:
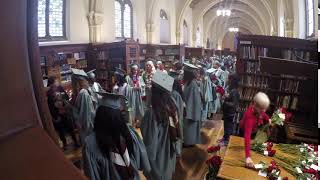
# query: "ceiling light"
{"type": "Point", "coordinates": [223, 12]}
{"type": "Point", "coordinates": [232, 29]}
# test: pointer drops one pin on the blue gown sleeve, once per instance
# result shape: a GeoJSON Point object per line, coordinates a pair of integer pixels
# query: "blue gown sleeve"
{"type": "Point", "coordinates": [140, 152]}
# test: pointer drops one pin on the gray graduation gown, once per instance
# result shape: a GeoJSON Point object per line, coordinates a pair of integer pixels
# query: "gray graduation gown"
{"type": "Point", "coordinates": [192, 121]}
{"type": "Point", "coordinates": [98, 167]}
{"type": "Point", "coordinates": [84, 113]}
{"type": "Point", "coordinates": [134, 98]}
{"type": "Point", "coordinates": [161, 152]}
{"type": "Point", "coordinates": [180, 107]}
{"type": "Point", "coordinates": [206, 89]}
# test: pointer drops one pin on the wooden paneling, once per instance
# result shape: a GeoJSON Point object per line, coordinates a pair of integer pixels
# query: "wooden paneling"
{"type": "Point", "coordinates": [23, 159]}
{"type": "Point", "coordinates": [18, 107]}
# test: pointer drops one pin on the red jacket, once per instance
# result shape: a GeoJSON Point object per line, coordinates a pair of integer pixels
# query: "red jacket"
{"type": "Point", "coordinates": [250, 123]}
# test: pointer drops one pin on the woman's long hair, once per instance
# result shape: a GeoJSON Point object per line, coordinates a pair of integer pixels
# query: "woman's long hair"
{"type": "Point", "coordinates": [177, 87]}
{"type": "Point", "coordinates": [188, 76]}
{"type": "Point", "coordinates": [162, 104]}
{"type": "Point", "coordinates": [108, 127]}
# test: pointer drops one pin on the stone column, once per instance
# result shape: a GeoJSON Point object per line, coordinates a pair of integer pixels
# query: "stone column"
{"type": "Point", "coordinates": [95, 20]}
{"type": "Point", "coordinates": [150, 30]}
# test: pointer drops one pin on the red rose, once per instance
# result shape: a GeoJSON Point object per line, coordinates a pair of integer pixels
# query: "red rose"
{"type": "Point", "coordinates": [215, 161]}
{"type": "Point", "coordinates": [271, 153]}
{"type": "Point", "coordinates": [316, 148]}
{"type": "Point", "coordinates": [270, 144]}
{"type": "Point", "coordinates": [310, 171]}
{"type": "Point", "coordinates": [213, 149]}
{"type": "Point", "coordinates": [220, 90]}
{"type": "Point", "coordinates": [285, 178]}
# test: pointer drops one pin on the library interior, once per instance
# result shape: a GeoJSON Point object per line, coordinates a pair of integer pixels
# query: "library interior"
{"type": "Point", "coordinates": [159, 90]}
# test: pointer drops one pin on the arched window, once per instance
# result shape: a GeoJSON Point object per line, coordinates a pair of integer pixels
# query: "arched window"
{"type": "Point", "coordinates": [123, 19]}
{"type": "Point", "coordinates": [198, 38]}
{"type": "Point", "coordinates": [164, 27]}
{"type": "Point", "coordinates": [310, 17]}
{"type": "Point", "coordinates": [51, 20]}
{"type": "Point", "coordinates": [185, 33]}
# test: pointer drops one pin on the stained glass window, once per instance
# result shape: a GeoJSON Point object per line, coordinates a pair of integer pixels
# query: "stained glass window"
{"type": "Point", "coordinates": [51, 20]}
{"type": "Point", "coordinates": [117, 9]}
{"type": "Point", "coordinates": [310, 17]}
{"type": "Point", "coordinates": [42, 18]}
{"type": "Point", "coordinates": [127, 21]}
{"type": "Point", "coordinates": [123, 19]}
{"type": "Point", "coordinates": [164, 27]}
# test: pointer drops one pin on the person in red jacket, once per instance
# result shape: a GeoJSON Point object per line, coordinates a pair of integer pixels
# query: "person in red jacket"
{"type": "Point", "coordinates": [253, 118]}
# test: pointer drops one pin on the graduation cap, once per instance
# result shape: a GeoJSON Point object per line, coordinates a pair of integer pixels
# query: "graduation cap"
{"type": "Point", "coordinates": [163, 80]}
{"type": "Point", "coordinates": [91, 73]}
{"type": "Point", "coordinates": [120, 72]}
{"type": "Point", "coordinates": [190, 67]}
{"type": "Point", "coordinates": [79, 73]}
{"type": "Point", "coordinates": [210, 71]}
{"type": "Point", "coordinates": [174, 74]}
{"type": "Point", "coordinates": [113, 101]}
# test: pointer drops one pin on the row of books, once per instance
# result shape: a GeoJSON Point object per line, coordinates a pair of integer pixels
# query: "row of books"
{"type": "Point", "coordinates": [289, 85]}
{"type": "Point", "coordinates": [252, 67]}
{"type": "Point", "coordinates": [288, 102]}
{"type": "Point", "coordinates": [255, 81]}
{"type": "Point", "coordinates": [251, 52]}
{"type": "Point", "coordinates": [295, 55]}
{"type": "Point", "coordinates": [248, 93]}
{"type": "Point", "coordinates": [102, 55]}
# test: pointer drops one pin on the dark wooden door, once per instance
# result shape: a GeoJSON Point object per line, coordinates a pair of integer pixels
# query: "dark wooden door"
{"type": "Point", "coordinates": [26, 149]}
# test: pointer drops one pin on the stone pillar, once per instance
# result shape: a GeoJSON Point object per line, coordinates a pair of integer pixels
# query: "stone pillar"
{"type": "Point", "coordinates": [178, 37]}
{"type": "Point", "coordinates": [150, 30]}
{"type": "Point", "coordinates": [95, 20]}
{"type": "Point", "coordinates": [95, 23]}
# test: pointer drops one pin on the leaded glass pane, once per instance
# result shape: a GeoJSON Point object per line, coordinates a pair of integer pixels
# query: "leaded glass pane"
{"type": "Point", "coordinates": [310, 17]}
{"type": "Point", "coordinates": [118, 25]}
{"type": "Point", "coordinates": [42, 18]}
{"type": "Point", "coordinates": [127, 21]}
{"type": "Point", "coordinates": [56, 18]}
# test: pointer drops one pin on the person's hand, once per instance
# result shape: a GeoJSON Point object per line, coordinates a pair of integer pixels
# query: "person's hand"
{"type": "Point", "coordinates": [270, 122]}
{"type": "Point", "coordinates": [249, 163]}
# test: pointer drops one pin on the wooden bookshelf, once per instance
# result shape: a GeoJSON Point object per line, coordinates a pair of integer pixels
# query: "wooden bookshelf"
{"type": "Point", "coordinates": [165, 53]}
{"type": "Point", "coordinates": [284, 68]}
{"type": "Point", "coordinates": [58, 59]}
{"type": "Point", "coordinates": [106, 57]}
{"type": "Point", "coordinates": [193, 52]}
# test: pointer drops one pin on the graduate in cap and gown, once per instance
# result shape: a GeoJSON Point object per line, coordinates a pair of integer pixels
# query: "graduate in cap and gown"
{"type": "Point", "coordinates": [192, 97]}
{"type": "Point", "coordinates": [114, 151]}
{"type": "Point", "coordinates": [160, 129]}
{"type": "Point", "coordinates": [84, 105]}
{"type": "Point", "coordinates": [120, 88]}
{"type": "Point", "coordinates": [95, 86]}
{"type": "Point", "coordinates": [207, 94]}
{"type": "Point", "coordinates": [135, 92]}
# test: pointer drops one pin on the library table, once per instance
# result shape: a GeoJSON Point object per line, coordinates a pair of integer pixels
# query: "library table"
{"type": "Point", "coordinates": [233, 165]}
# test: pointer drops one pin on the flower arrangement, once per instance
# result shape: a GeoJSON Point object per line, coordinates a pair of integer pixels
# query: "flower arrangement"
{"type": "Point", "coordinates": [279, 117]}
{"type": "Point", "coordinates": [272, 171]}
{"type": "Point", "coordinates": [213, 163]}
{"type": "Point", "coordinates": [308, 168]}
{"type": "Point", "coordinates": [264, 148]}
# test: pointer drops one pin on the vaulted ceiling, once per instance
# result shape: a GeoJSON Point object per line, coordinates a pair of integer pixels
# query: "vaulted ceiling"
{"type": "Point", "coordinates": [254, 16]}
